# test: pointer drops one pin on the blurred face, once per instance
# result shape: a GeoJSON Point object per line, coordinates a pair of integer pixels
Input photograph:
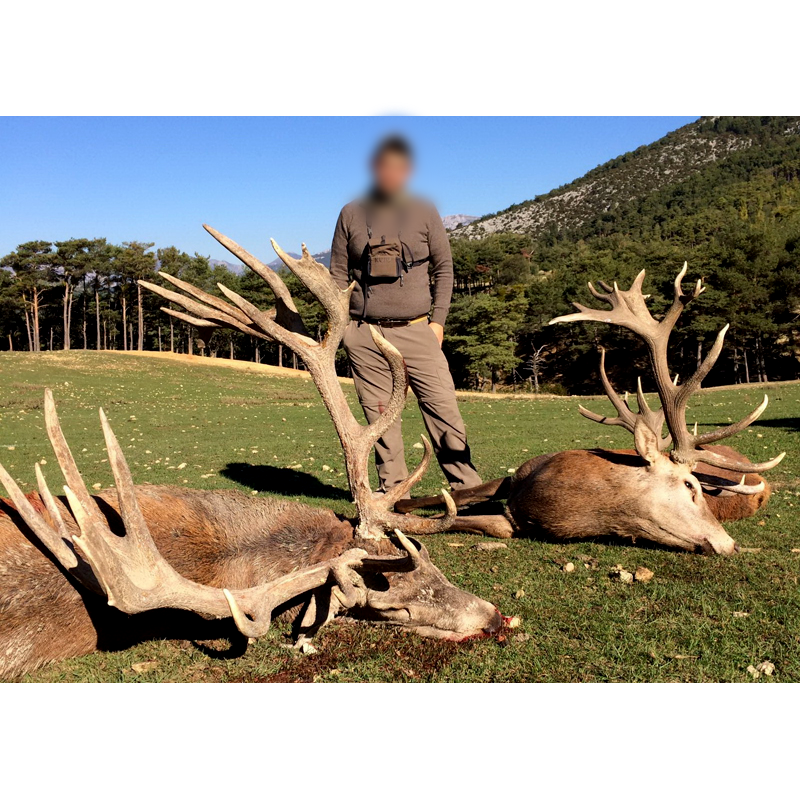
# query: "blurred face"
{"type": "Point", "coordinates": [391, 173]}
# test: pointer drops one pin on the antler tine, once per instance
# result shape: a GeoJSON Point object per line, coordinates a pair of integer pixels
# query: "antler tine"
{"type": "Point", "coordinates": [734, 488]}
{"type": "Point", "coordinates": [63, 454]}
{"type": "Point", "coordinates": [205, 313]}
{"type": "Point", "coordinates": [731, 430]}
{"type": "Point", "coordinates": [396, 493]}
{"type": "Point", "coordinates": [205, 297]}
{"type": "Point", "coordinates": [397, 398]}
{"type": "Point", "coordinates": [423, 526]}
{"type": "Point", "coordinates": [625, 417]}
{"type": "Point", "coordinates": [653, 419]}
{"type": "Point", "coordinates": [600, 295]}
{"type": "Point", "coordinates": [198, 323]}
{"type": "Point", "coordinates": [716, 460]}
{"type": "Point", "coordinates": [693, 384]}
{"type": "Point", "coordinates": [628, 309]}
{"type": "Point", "coordinates": [52, 538]}
{"type": "Point", "coordinates": [285, 310]}
{"type": "Point", "coordinates": [301, 343]}
{"type": "Point", "coordinates": [405, 563]}
{"type": "Point", "coordinates": [317, 280]}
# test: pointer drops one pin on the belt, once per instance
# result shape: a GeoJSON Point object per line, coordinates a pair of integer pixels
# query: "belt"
{"type": "Point", "coordinates": [391, 323]}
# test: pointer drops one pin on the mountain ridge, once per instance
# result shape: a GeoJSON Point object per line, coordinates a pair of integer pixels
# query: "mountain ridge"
{"type": "Point", "coordinates": [631, 176]}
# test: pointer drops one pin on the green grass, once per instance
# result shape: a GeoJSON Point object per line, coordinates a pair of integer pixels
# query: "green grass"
{"type": "Point", "coordinates": [225, 425]}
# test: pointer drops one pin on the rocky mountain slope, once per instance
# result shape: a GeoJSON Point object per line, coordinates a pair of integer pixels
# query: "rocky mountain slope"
{"type": "Point", "coordinates": [632, 176]}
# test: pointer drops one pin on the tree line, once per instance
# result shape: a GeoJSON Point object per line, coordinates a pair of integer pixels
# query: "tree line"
{"type": "Point", "coordinates": [737, 223]}
{"type": "Point", "coordinates": [84, 293]}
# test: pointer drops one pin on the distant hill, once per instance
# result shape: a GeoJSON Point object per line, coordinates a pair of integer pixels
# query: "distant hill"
{"type": "Point", "coordinates": [452, 221]}
{"type": "Point", "coordinates": [634, 176]}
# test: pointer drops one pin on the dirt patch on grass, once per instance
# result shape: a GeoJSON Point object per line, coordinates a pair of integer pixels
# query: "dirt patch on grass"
{"type": "Point", "coordinates": [395, 656]}
{"type": "Point", "coordinates": [24, 403]}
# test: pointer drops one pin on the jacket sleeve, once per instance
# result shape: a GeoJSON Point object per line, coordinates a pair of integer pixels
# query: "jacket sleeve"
{"type": "Point", "coordinates": [339, 260]}
{"type": "Point", "coordinates": [441, 267]}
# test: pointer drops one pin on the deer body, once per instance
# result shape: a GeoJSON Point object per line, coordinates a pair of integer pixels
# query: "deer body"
{"type": "Point", "coordinates": [676, 497]}
{"type": "Point", "coordinates": [581, 494]}
{"type": "Point", "coordinates": [215, 538]}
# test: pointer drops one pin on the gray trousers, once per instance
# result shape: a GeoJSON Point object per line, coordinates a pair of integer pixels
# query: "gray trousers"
{"type": "Point", "coordinates": [430, 380]}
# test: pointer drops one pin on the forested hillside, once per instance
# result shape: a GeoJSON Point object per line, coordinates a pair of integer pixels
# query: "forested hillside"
{"type": "Point", "coordinates": [722, 194]}
{"type": "Point", "coordinates": [736, 221]}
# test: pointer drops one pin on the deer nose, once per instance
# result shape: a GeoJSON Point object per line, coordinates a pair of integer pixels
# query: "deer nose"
{"type": "Point", "coordinates": [736, 547]}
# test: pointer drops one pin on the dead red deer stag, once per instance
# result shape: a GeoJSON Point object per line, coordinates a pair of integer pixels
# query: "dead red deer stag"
{"type": "Point", "coordinates": [84, 572]}
{"type": "Point", "coordinates": [674, 497]}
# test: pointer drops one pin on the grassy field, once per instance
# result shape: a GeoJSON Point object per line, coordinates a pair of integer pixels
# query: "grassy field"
{"type": "Point", "coordinates": [205, 426]}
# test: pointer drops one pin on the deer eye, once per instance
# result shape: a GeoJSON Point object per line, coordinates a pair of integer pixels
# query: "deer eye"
{"type": "Point", "coordinates": [688, 485]}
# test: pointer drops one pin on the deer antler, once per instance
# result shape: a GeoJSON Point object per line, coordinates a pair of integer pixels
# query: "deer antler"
{"type": "Point", "coordinates": [131, 572]}
{"type": "Point", "coordinates": [283, 324]}
{"type": "Point", "coordinates": [629, 310]}
{"type": "Point", "coordinates": [626, 417]}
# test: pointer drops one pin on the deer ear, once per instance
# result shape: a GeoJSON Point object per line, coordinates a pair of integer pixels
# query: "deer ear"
{"type": "Point", "coordinates": [646, 442]}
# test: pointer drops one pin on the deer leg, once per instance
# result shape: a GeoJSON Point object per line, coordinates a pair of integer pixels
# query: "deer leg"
{"type": "Point", "coordinates": [495, 525]}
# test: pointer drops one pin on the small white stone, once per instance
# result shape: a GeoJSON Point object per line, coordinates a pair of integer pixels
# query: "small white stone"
{"type": "Point", "coordinates": [569, 567]}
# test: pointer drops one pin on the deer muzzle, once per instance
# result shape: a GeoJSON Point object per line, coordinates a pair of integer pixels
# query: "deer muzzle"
{"type": "Point", "coordinates": [720, 544]}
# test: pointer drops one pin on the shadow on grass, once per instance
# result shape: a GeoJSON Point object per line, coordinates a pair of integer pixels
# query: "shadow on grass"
{"type": "Point", "coordinates": [787, 423]}
{"type": "Point", "coordinates": [282, 481]}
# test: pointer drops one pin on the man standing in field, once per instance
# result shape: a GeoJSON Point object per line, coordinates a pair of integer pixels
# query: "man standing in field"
{"type": "Point", "coordinates": [394, 246]}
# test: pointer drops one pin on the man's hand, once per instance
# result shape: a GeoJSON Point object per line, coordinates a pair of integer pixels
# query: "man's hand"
{"type": "Point", "coordinates": [438, 331]}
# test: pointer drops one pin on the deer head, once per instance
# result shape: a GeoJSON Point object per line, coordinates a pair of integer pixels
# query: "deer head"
{"type": "Point", "coordinates": [668, 498]}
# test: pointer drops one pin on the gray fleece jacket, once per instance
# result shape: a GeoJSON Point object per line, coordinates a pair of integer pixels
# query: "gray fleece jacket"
{"type": "Point", "coordinates": [423, 234]}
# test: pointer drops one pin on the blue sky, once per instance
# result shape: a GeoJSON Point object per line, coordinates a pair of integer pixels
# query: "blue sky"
{"type": "Point", "coordinates": [159, 179]}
